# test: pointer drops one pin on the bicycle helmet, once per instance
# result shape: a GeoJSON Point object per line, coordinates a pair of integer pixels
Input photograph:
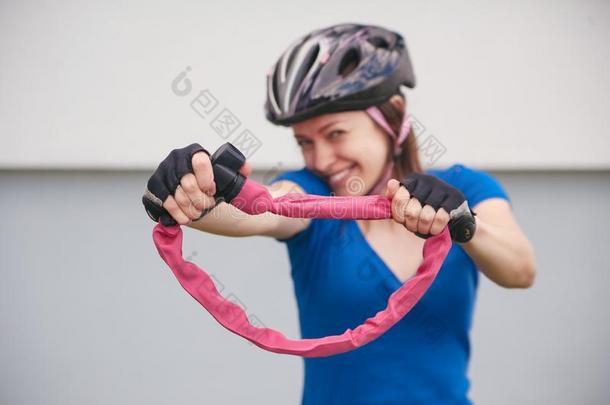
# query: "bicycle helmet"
{"type": "Point", "coordinates": [339, 68]}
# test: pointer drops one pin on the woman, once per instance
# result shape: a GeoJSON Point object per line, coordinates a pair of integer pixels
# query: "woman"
{"type": "Point", "coordinates": [339, 89]}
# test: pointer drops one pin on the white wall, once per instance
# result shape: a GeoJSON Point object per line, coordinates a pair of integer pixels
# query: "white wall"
{"type": "Point", "coordinates": [503, 84]}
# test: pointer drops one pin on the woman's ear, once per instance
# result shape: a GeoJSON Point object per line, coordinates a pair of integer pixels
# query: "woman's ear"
{"type": "Point", "coordinates": [398, 101]}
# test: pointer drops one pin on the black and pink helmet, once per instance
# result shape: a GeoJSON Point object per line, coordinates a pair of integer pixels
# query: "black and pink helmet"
{"type": "Point", "coordinates": [340, 68]}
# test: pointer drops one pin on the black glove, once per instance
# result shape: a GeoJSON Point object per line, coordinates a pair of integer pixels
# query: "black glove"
{"type": "Point", "coordinates": [166, 179]}
{"type": "Point", "coordinates": [430, 190]}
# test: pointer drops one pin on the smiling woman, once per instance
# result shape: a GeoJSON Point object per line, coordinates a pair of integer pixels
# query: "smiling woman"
{"type": "Point", "coordinates": [349, 118]}
{"type": "Point", "coordinates": [341, 90]}
{"type": "Point", "coordinates": [364, 145]}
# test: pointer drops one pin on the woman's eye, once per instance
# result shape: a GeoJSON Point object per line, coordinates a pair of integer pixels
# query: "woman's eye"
{"type": "Point", "coordinates": [335, 134]}
{"type": "Point", "coordinates": [303, 143]}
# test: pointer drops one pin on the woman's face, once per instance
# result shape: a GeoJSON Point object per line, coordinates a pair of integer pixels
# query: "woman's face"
{"type": "Point", "coordinates": [347, 149]}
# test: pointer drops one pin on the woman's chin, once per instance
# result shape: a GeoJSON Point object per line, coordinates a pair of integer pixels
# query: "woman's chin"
{"type": "Point", "coordinates": [346, 191]}
{"type": "Point", "coordinates": [353, 184]}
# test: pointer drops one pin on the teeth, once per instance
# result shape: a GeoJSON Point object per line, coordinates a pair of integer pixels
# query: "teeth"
{"type": "Point", "coordinates": [339, 176]}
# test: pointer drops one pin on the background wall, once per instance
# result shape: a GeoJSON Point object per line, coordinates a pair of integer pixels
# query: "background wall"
{"type": "Point", "coordinates": [90, 314]}
{"type": "Point", "coordinates": [89, 84]}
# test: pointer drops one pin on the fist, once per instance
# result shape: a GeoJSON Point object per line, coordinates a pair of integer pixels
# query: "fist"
{"type": "Point", "coordinates": [182, 188]}
{"type": "Point", "coordinates": [194, 193]}
{"type": "Point", "coordinates": [423, 203]}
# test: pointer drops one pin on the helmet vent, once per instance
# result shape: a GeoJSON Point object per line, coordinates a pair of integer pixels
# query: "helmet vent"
{"type": "Point", "coordinates": [379, 42]}
{"type": "Point", "coordinates": [349, 62]}
{"type": "Point", "coordinates": [274, 79]}
{"type": "Point", "coordinates": [312, 55]}
{"type": "Point", "coordinates": [303, 69]}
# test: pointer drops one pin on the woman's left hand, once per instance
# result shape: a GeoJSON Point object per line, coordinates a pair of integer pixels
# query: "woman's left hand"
{"type": "Point", "coordinates": [423, 203]}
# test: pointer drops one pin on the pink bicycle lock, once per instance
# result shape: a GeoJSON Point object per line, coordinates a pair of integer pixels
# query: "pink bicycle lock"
{"type": "Point", "coordinates": [253, 198]}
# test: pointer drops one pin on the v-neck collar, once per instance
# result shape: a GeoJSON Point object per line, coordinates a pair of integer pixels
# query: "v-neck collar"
{"type": "Point", "coordinates": [391, 279]}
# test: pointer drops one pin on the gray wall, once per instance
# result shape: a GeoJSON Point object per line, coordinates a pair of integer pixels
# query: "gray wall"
{"type": "Point", "coordinates": [90, 314]}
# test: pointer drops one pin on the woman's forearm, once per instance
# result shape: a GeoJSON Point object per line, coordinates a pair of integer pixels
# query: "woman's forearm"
{"type": "Point", "coordinates": [503, 254]}
{"type": "Point", "coordinates": [227, 220]}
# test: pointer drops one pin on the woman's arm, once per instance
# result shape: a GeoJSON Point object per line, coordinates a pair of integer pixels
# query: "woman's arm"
{"type": "Point", "coordinates": [227, 220]}
{"type": "Point", "coordinates": [499, 247]}
{"type": "Point", "coordinates": [183, 186]}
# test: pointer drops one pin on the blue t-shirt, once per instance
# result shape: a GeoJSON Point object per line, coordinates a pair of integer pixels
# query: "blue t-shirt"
{"type": "Point", "coordinates": [340, 281]}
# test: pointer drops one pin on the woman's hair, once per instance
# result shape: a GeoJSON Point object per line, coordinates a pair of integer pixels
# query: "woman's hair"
{"type": "Point", "coordinates": [409, 154]}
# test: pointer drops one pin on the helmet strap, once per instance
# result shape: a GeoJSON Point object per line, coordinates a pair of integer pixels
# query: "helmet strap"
{"type": "Point", "coordinates": [397, 141]}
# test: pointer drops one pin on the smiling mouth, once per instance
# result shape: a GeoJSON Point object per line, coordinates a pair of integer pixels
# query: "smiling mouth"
{"type": "Point", "coordinates": [340, 176]}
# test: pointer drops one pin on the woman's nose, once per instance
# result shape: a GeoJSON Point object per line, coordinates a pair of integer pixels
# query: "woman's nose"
{"type": "Point", "coordinates": [324, 156]}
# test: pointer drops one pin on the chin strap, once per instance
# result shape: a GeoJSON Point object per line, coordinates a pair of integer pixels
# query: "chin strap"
{"type": "Point", "coordinates": [397, 141]}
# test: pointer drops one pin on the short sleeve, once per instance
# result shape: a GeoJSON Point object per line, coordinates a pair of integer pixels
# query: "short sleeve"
{"type": "Point", "coordinates": [477, 185]}
{"type": "Point", "coordinates": [311, 184]}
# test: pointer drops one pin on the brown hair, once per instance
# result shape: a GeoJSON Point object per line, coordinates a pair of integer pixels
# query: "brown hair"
{"type": "Point", "coordinates": [409, 154]}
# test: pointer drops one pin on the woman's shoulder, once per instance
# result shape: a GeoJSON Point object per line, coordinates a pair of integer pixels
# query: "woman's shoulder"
{"type": "Point", "coordinates": [454, 172]}
{"type": "Point", "coordinates": [477, 185]}
{"type": "Point", "coordinates": [306, 179]}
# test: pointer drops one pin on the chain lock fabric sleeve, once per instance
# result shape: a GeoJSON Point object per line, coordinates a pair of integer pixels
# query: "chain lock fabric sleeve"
{"type": "Point", "coordinates": [310, 184]}
{"type": "Point", "coordinates": [255, 199]}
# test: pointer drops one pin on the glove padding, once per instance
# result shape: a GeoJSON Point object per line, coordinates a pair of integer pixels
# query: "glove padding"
{"type": "Point", "coordinates": [430, 190]}
{"type": "Point", "coordinates": [166, 179]}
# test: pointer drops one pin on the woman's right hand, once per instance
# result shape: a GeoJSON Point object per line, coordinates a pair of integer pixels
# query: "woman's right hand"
{"type": "Point", "coordinates": [182, 188]}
